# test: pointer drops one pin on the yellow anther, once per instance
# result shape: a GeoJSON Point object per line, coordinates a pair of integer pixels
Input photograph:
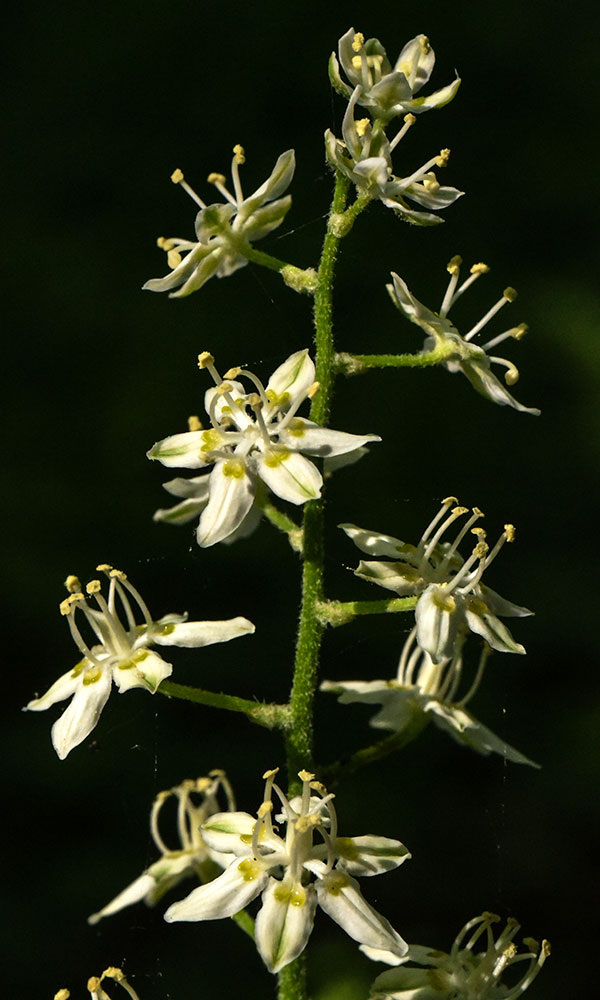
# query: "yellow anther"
{"type": "Point", "coordinates": [313, 390]}
{"type": "Point", "coordinates": [202, 784]}
{"type": "Point", "coordinates": [164, 244]}
{"type": "Point", "coordinates": [234, 469]}
{"type": "Point", "coordinates": [481, 550]}
{"type": "Point", "coordinates": [424, 43]}
{"type": "Point", "coordinates": [361, 126]}
{"type": "Point", "coordinates": [510, 532]}
{"type": "Point", "coordinates": [72, 584]}
{"type": "Point", "coordinates": [217, 772]}
{"type": "Point", "coordinates": [356, 62]}
{"type": "Point", "coordinates": [238, 152]}
{"type": "Point", "coordinates": [264, 808]}
{"type": "Point", "coordinates": [431, 184]}
{"type": "Point", "coordinates": [62, 995]}
{"type": "Point", "coordinates": [480, 532]}
{"type": "Point", "coordinates": [216, 178]}
{"type": "Point", "coordinates": [410, 119]}
{"type": "Point", "coordinates": [103, 568]}
{"type": "Point", "coordinates": [442, 160]}
{"type": "Point", "coordinates": [113, 973]}
{"type": "Point", "coordinates": [511, 376]}
{"type": "Point", "coordinates": [510, 951]}
{"type": "Point", "coordinates": [254, 401]}
{"type": "Point", "coordinates": [194, 423]}
{"type": "Point", "coordinates": [232, 373]}
{"type": "Point", "coordinates": [545, 949]}
{"type": "Point", "coordinates": [305, 776]}
{"type": "Point", "coordinates": [520, 331]}
{"type": "Point", "coordinates": [304, 823]}
{"type": "Point", "coordinates": [93, 984]}
{"type": "Point", "coordinates": [205, 359]}
{"type": "Point", "coordinates": [318, 786]}
{"type": "Point", "coordinates": [270, 774]}
{"type": "Point", "coordinates": [459, 511]}
{"type": "Point", "coordinates": [479, 269]}
{"type": "Point", "coordinates": [93, 587]}
{"type": "Point", "coordinates": [358, 41]}
{"type": "Point", "coordinates": [177, 176]}
{"type": "Point", "coordinates": [479, 512]}
{"type": "Point", "coordinates": [66, 605]}
{"type": "Point", "coordinates": [173, 259]}
{"type": "Point", "coordinates": [117, 574]}
{"type": "Point", "coordinates": [223, 388]}
{"type": "Point", "coordinates": [453, 266]}
{"type": "Point", "coordinates": [510, 294]}
{"type": "Point", "coordinates": [449, 500]}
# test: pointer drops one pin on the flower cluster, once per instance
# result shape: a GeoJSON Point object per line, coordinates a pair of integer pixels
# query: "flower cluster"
{"type": "Point", "coordinates": [253, 436]}
{"type": "Point", "coordinates": [225, 230]}
{"type": "Point", "coordinates": [386, 90]}
{"type": "Point", "coordinates": [452, 598]}
{"type": "Point", "coordinates": [467, 973]}
{"type": "Point", "coordinates": [458, 351]}
{"type": "Point", "coordinates": [119, 652]}
{"type": "Point", "coordinates": [192, 856]}
{"type": "Point", "coordinates": [309, 865]}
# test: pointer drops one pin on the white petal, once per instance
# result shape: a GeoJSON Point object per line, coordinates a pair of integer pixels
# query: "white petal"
{"type": "Point", "coordinates": [339, 895]}
{"type": "Point", "coordinates": [375, 544]}
{"type": "Point", "coordinates": [307, 437]}
{"type": "Point", "coordinates": [229, 832]}
{"type": "Point", "coordinates": [80, 717]}
{"type": "Point", "coordinates": [185, 451]}
{"type": "Point", "coordinates": [231, 497]}
{"type": "Point", "coordinates": [284, 922]}
{"type": "Point", "coordinates": [228, 894]}
{"type": "Point", "coordinates": [63, 688]}
{"type": "Point", "coordinates": [180, 513]}
{"type": "Point", "coordinates": [399, 577]}
{"type": "Point", "coordinates": [438, 617]}
{"type": "Point", "coordinates": [493, 631]}
{"type": "Point", "coordinates": [202, 633]}
{"type": "Point", "coordinates": [369, 855]}
{"type": "Point", "coordinates": [132, 894]}
{"type": "Point", "coordinates": [294, 376]}
{"type": "Point", "coordinates": [290, 476]}
{"type": "Point", "coordinates": [466, 729]}
{"type": "Point", "coordinates": [195, 488]}
{"type": "Point", "coordinates": [146, 669]}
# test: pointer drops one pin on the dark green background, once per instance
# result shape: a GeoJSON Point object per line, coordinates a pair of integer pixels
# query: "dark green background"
{"type": "Point", "coordinates": [101, 106]}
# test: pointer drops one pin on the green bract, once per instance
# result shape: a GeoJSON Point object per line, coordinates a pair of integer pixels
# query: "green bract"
{"type": "Point", "coordinates": [384, 89]}
{"type": "Point", "coordinates": [224, 232]}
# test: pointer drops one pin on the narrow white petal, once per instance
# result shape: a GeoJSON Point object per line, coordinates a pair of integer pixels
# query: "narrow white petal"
{"type": "Point", "coordinates": [399, 577]}
{"type": "Point", "coordinates": [375, 544]}
{"type": "Point", "coordinates": [203, 633]}
{"type": "Point", "coordinates": [63, 688]}
{"type": "Point", "coordinates": [438, 617]}
{"type": "Point", "coordinates": [132, 894]}
{"type": "Point", "coordinates": [369, 855]}
{"type": "Point", "coordinates": [231, 497]}
{"type": "Point", "coordinates": [466, 729]}
{"type": "Point", "coordinates": [229, 832]}
{"type": "Point", "coordinates": [284, 922]}
{"type": "Point", "coordinates": [294, 376]}
{"type": "Point", "coordinates": [145, 669]}
{"type": "Point", "coordinates": [339, 895]}
{"type": "Point", "coordinates": [228, 894]}
{"type": "Point", "coordinates": [493, 631]}
{"type": "Point", "coordinates": [80, 717]}
{"type": "Point", "coordinates": [290, 476]}
{"type": "Point", "coordinates": [307, 437]}
{"type": "Point", "coordinates": [184, 451]}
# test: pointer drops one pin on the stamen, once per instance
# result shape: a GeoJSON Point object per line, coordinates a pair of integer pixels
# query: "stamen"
{"type": "Point", "coordinates": [174, 259]}
{"type": "Point", "coordinates": [156, 807]}
{"type": "Point", "coordinates": [511, 376]}
{"type": "Point", "coordinates": [476, 271]}
{"type": "Point", "coordinates": [239, 157]}
{"type": "Point", "coordinates": [73, 584]}
{"type": "Point", "coordinates": [194, 423]}
{"type": "Point", "coordinates": [478, 675]}
{"type": "Point", "coordinates": [474, 517]}
{"type": "Point", "coordinates": [491, 312]}
{"type": "Point", "coordinates": [516, 332]}
{"type": "Point", "coordinates": [408, 121]}
{"type": "Point", "coordinates": [234, 372]}
{"type": "Point", "coordinates": [453, 269]}
{"type": "Point", "coordinates": [445, 504]}
{"type": "Point", "coordinates": [93, 586]}
{"type": "Point", "coordinates": [358, 41]}
{"type": "Point", "coordinates": [440, 160]}
{"type": "Point", "coordinates": [219, 182]}
{"type": "Point", "coordinates": [361, 126]}
{"type": "Point", "coordinates": [206, 360]}
{"type": "Point", "coordinates": [404, 655]}
{"type": "Point", "coordinates": [454, 514]}
{"type": "Point", "coordinates": [178, 178]}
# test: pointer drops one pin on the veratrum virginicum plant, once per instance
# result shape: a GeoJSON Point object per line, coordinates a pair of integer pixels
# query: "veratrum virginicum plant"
{"type": "Point", "coordinates": [267, 443]}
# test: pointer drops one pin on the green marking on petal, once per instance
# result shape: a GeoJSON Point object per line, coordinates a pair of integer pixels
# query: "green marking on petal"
{"type": "Point", "coordinates": [92, 676]}
{"type": "Point", "coordinates": [250, 869]}
{"type": "Point", "coordinates": [292, 897]}
{"type": "Point", "coordinates": [275, 458]}
{"type": "Point", "coordinates": [336, 883]}
{"type": "Point", "coordinates": [166, 630]}
{"type": "Point", "coordinates": [234, 469]}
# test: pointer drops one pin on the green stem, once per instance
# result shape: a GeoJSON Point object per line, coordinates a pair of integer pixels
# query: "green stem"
{"type": "Point", "coordinates": [357, 364]}
{"type": "Point", "coordinates": [341, 612]}
{"type": "Point", "coordinates": [260, 257]}
{"type": "Point", "coordinates": [292, 980]}
{"type": "Point", "coordinates": [245, 922]}
{"type": "Point", "coordinates": [283, 523]}
{"type": "Point", "coordinates": [269, 715]}
{"type": "Point", "coordinates": [368, 755]}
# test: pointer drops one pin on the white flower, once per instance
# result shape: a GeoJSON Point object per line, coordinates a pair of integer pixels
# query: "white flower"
{"type": "Point", "coordinates": [365, 157]}
{"type": "Point", "coordinates": [460, 354]}
{"type": "Point", "coordinates": [269, 443]}
{"type": "Point", "coordinates": [453, 600]}
{"type": "Point", "coordinates": [294, 875]}
{"type": "Point", "coordinates": [467, 973]}
{"type": "Point", "coordinates": [119, 652]}
{"type": "Point", "coordinates": [224, 230]}
{"type": "Point", "coordinates": [424, 690]}
{"type": "Point", "coordinates": [192, 856]}
{"type": "Point", "coordinates": [385, 89]}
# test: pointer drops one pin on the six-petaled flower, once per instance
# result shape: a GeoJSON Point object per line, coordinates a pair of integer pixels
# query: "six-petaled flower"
{"type": "Point", "coordinates": [294, 872]}
{"type": "Point", "coordinates": [119, 651]}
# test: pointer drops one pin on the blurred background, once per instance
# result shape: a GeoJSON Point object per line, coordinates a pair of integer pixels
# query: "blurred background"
{"type": "Point", "coordinates": [101, 104]}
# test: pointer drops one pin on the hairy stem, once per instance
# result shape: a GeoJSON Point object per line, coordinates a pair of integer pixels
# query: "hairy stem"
{"type": "Point", "coordinates": [269, 715]}
{"type": "Point", "coordinates": [341, 612]}
{"type": "Point", "coordinates": [357, 364]}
